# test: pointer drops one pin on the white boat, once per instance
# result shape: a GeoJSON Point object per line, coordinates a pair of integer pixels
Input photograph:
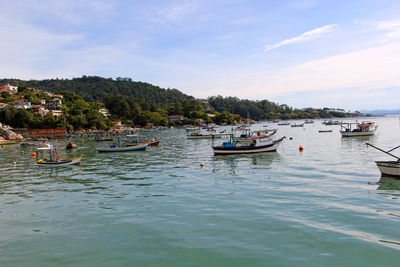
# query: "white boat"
{"type": "Point", "coordinates": [48, 156]}
{"type": "Point", "coordinates": [390, 168]}
{"type": "Point", "coordinates": [297, 125]}
{"type": "Point", "coordinates": [262, 143]}
{"type": "Point", "coordinates": [365, 128]}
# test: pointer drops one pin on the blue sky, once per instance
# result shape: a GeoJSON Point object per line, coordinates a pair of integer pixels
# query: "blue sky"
{"type": "Point", "coordinates": [316, 53]}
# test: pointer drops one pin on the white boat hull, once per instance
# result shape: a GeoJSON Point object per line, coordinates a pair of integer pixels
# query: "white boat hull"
{"type": "Point", "coordinates": [391, 168]}
{"type": "Point", "coordinates": [64, 162]}
{"type": "Point", "coordinates": [273, 146]}
{"type": "Point", "coordinates": [352, 134]}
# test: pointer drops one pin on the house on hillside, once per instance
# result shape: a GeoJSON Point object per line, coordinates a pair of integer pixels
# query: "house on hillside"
{"type": "Point", "coordinates": [23, 105]}
{"type": "Point", "coordinates": [9, 88]}
{"type": "Point", "coordinates": [176, 118]}
{"type": "Point", "coordinates": [104, 111]}
{"type": "Point", "coordinates": [56, 113]}
{"type": "Point", "coordinates": [54, 104]}
{"type": "Point", "coordinates": [42, 111]}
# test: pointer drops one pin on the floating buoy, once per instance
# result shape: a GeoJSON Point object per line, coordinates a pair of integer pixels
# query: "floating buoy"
{"type": "Point", "coordinates": [14, 163]}
{"type": "Point", "coordinates": [33, 154]}
{"type": "Point", "coordinates": [202, 164]}
{"type": "Point", "coordinates": [290, 138]}
{"type": "Point", "coordinates": [173, 143]}
{"type": "Point", "coordinates": [300, 148]}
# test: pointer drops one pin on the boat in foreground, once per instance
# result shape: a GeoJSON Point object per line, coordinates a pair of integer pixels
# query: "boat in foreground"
{"type": "Point", "coordinates": [390, 168]}
{"type": "Point", "coordinates": [48, 156]}
{"type": "Point", "coordinates": [259, 144]}
{"type": "Point", "coordinates": [351, 129]}
{"type": "Point", "coordinates": [114, 148]}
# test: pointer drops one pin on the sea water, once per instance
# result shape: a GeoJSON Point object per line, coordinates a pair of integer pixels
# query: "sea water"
{"type": "Point", "coordinates": [325, 206]}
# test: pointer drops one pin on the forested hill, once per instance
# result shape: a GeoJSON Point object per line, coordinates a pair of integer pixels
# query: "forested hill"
{"type": "Point", "coordinates": [96, 89]}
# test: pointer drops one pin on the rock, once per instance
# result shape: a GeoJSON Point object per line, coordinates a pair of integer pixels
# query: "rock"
{"type": "Point", "coordinates": [10, 135]}
{"type": "Point", "coordinates": [71, 145]}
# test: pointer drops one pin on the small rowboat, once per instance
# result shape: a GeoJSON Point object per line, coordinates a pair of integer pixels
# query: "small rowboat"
{"type": "Point", "coordinates": [391, 168]}
{"type": "Point", "coordinates": [203, 136]}
{"type": "Point", "coordinates": [48, 156]}
{"type": "Point", "coordinates": [122, 148]}
{"type": "Point", "coordinates": [297, 125]}
{"type": "Point", "coordinates": [154, 142]}
{"type": "Point", "coordinates": [104, 139]}
{"type": "Point", "coordinates": [60, 162]}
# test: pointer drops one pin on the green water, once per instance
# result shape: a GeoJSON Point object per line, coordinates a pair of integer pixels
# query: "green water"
{"type": "Point", "coordinates": [325, 206]}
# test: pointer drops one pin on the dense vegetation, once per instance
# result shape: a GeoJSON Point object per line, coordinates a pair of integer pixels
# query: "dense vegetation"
{"type": "Point", "coordinates": [138, 103]}
{"type": "Point", "coordinates": [76, 113]}
{"type": "Point", "coordinates": [96, 89]}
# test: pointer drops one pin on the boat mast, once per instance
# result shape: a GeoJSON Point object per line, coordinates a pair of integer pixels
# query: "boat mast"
{"type": "Point", "coordinates": [386, 152]}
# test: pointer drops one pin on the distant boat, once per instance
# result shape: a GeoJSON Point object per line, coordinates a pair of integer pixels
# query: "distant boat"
{"type": "Point", "coordinates": [48, 156]}
{"type": "Point", "coordinates": [151, 130]}
{"type": "Point", "coordinates": [114, 148]}
{"type": "Point", "coordinates": [331, 122]}
{"type": "Point", "coordinates": [325, 131]}
{"type": "Point", "coordinates": [391, 168]}
{"type": "Point", "coordinates": [283, 123]}
{"type": "Point", "coordinates": [104, 139]}
{"type": "Point", "coordinates": [297, 125]}
{"type": "Point", "coordinates": [26, 144]}
{"type": "Point", "coordinates": [351, 129]}
{"type": "Point", "coordinates": [154, 142]}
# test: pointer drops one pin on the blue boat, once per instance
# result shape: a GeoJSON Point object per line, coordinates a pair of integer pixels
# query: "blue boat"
{"type": "Point", "coordinates": [114, 148]}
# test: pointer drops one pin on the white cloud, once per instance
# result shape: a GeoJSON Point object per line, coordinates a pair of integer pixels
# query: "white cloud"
{"type": "Point", "coordinates": [303, 37]}
{"type": "Point", "coordinates": [176, 11]}
{"type": "Point", "coordinates": [391, 26]}
{"type": "Point", "coordinates": [373, 68]}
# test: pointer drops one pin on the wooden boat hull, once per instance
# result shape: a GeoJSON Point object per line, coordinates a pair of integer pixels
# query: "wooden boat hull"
{"type": "Point", "coordinates": [203, 136]}
{"type": "Point", "coordinates": [150, 143]}
{"type": "Point", "coordinates": [63, 162]}
{"type": "Point", "coordinates": [391, 168]}
{"type": "Point", "coordinates": [354, 134]}
{"type": "Point", "coordinates": [121, 149]}
{"type": "Point", "coordinates": [273, 146]}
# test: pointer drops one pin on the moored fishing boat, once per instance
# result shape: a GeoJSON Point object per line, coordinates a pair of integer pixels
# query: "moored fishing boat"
{"type": "Point", "coordinates": [153, 142]}
{"type": "Point", "coordinates": [283, 123]}
{"type": "Point", "coordinates": [391, 168]}
{"type": "Point", "coordinates": [48, 156]}
{"type": "Point", "coordinates": [351, 129]}
{"type": "Point", "coordinates": [297, 125]}
{"type": "Point", "coordinates": [258, 144]}
{"type": "Point", "coordinates": [331, 122]}
{"type": "Point", "coordinates": [114, 148]}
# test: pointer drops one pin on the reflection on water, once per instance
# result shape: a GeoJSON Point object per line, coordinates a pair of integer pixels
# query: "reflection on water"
{"type": "Point", "coordinates": [389, 183]}
{"type": "Point", "coordinates": [232, 163]}
{"type": "Point", "coordinates": [313, 203]}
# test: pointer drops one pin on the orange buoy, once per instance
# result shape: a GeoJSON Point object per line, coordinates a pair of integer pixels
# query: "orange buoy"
{"type": "Point", "coordinates": [300, 148]}
{"type": "Point", "coordinates": [202, 164]}
{"type": "Point", "coordinates": [33, 154]}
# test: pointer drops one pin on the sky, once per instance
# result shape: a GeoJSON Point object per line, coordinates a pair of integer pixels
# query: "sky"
{"type": "Point", "coordinates": [306, 53]}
